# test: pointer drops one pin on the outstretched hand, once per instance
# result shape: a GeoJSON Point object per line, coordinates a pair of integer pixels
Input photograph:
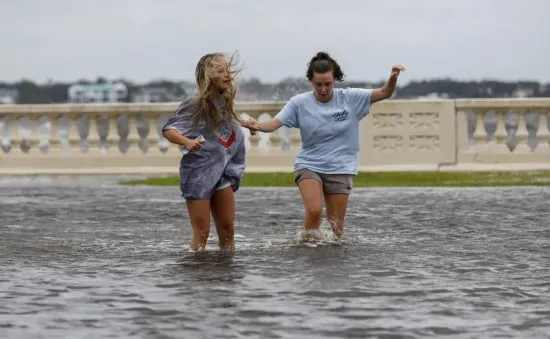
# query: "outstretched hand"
{"type": "Point", "coordinates": [396, 70]}
{"type": "Point", "coordinates": [251, 125]}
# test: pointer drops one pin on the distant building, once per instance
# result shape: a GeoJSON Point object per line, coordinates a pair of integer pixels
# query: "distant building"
{"type": "Point", "coordinates": [523, 93]}
{"type": "Point", "coordinates": [433, 96]}
{"type": "Point", "coordinates": [163, 92]}
{"type": "Point", "coordinates": [98, 93]}
{"type": "Point", "coordinates": [154, 94]}
{"type": "Point", "coordinates": [8, 96]}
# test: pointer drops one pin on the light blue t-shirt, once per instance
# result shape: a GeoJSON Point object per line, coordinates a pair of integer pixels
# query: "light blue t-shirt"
{"type": "Point", "coordinates": [329, 131]}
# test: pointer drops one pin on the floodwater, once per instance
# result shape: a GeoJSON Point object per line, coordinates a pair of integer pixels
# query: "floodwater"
{"type": "Point", "coordinates": [85, 258]}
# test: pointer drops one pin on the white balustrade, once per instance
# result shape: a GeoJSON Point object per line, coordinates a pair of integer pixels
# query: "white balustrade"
{"type": "Point", "coordinates": [510, 133]}
{"type": "Point", "coordinates": [492, 134]}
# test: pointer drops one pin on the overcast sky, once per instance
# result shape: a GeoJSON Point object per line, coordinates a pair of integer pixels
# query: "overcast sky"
{"type": "Point", "coordinates": [142, 40]}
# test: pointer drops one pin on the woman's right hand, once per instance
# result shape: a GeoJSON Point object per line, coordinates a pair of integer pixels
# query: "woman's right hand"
{"type": "Point", "coordinates": [194, 145]}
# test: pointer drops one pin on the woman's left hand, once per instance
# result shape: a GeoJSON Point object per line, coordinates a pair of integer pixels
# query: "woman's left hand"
{"type": "Point", "coordinates": [396, 70]}
{"type": "Point", "coordinates": [251, 125]}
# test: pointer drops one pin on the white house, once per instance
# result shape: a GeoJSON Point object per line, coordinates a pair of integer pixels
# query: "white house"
{"type": "Point", "coordinates": [8, 96]}
{"type": "Point", "coordinates": [98, 93]}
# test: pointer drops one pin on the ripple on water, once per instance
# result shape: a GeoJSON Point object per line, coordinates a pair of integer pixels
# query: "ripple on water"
{"type": "Point", "coordinates": [83, 257]}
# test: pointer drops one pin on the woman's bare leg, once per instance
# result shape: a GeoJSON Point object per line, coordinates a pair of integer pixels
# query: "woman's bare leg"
{"type": "Point", "coordinates": [199, 214]}
{"type": "Point", "coordinates": [312, 195]}
{"type": "Point", "coordinates": [222, 205]}
{"type": "Point", "coordinates": [336, 205]}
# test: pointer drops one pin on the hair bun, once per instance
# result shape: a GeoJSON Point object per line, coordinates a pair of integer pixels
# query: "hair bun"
{"type": "Point", "coordinates": [322, 62]}
{"type": "Point", "coordinates": [323, 56]}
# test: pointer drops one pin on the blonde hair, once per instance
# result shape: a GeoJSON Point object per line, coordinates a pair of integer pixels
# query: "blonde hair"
{"type": "Point", "coordinates": [205, 108]}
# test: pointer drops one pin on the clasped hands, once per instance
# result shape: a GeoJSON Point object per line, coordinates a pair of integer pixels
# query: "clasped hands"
{"type": "Point", "coordinates": [251, 124]}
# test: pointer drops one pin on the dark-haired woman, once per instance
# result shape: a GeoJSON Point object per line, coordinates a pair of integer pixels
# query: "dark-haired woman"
{"type": "Point", "coordinates": [328, 119]}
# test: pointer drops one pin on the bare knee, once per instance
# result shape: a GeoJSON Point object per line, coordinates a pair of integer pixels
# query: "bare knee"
{"type": "Point", "coordinates": [314, 213]}
{"type": "Point", "coordinates": [311, 190]}
{"type": "Point", "coordinates": [202, 234]}
{"type": "Point", "coordinates": [201, 228]}
{"type": "Point", "coordinates": [227, 228]}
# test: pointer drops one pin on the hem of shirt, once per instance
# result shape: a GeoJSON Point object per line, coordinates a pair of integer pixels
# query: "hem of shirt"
{"type": "Point", "coordinates": [170, 127]}
{"type": "Point", "coordinates": [324, 171]}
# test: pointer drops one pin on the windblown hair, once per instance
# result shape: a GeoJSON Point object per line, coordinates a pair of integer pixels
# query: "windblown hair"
{"type": "Point", "coordinates": [323, 63]}
{"type": "Point", "coordinates": [203, 106]}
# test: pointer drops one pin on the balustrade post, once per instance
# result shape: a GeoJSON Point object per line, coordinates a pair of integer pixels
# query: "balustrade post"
{"type": "Point", "coordinates": [5, 128]}
{"type": "Point", "coordinates": [61, 135]}
{"type": "Point", "coordinates": [522, 134]}
{"type": "Point", "coordinates": [54, 140]}
{"type": "Point", "coordinates": [543, 133]}
{"type": "Point", "coordinates": [462, 132]}
{"type": "Point", "coordinates": [499, 145]}
{"type": "Point", "coordinates": [265, 142]}
{"type": "Point", "coordinates": [74, 135]}
{"type": "Point", "coordinates": [480, 132]}
{"type": "Point", "coordinates": [25, 135]}
{"type": "Point", "coordinates": [111, 137]}
{"type": "Point", "coordinates": [133, 135]}
{"type": "Point", "coordinates": [14, 134]}
{"type": "Point", "coordinates": [93, 134]}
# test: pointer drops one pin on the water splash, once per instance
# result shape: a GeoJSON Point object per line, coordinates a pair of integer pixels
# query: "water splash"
{"type": "Point", "coordinates": [324, 235]}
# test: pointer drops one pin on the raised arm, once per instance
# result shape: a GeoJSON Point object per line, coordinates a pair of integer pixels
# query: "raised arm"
{"type": "Point", "coordinates": [387, 90]}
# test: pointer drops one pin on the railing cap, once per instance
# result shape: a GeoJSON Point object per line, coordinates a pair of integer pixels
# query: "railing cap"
{"type": "Point", "coordinates": [99, 108]}
{"type": "Point", "coordinates": [252, 106]}
{"type": "Point", "coordinates": [503, 103]}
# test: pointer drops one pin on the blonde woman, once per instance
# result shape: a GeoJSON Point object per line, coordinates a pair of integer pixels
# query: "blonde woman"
{"type": "Point", "coordinates": [212, 169]}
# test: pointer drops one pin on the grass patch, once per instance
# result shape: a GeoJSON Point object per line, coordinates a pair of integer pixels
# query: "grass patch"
{"type": "Point", "coordinates": [389, 179]}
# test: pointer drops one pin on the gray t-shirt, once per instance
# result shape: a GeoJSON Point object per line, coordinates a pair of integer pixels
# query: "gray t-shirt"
{"type": "Point", "coordinates": [220, 161]}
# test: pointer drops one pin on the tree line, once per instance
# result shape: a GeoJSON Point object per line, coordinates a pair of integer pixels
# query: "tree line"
{"type": "Point", "coordinates": [29, 92]}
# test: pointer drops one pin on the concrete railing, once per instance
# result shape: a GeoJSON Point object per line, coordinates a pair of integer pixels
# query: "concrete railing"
{"type": "Point", "coordinates": [397, 135]}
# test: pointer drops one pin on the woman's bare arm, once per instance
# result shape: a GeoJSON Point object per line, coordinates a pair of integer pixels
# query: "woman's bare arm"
{"type": "Point", "coordinates": [387, 90]}
{"type": "Point", "coordinates": [268, 126]}
{"type": "Point", "coordinates": [175, 137]}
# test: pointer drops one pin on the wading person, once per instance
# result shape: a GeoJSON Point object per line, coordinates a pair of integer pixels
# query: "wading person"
{"type": "Point", "coordinates": [328, 119]}
{"type": "Point", "coordinates": [212, 169]}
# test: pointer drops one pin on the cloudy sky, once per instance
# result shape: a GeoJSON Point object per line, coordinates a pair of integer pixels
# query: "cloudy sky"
{"type": "Point", "coordinates": [143, 40]}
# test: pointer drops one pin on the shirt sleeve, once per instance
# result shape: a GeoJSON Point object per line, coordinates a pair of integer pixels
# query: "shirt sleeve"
{"type": "Point", "coordinates": [288, 116]}
{"type": "Point", "coordinates": [359, 99]}
{"type": "Point", "coordinates": [181, 120]}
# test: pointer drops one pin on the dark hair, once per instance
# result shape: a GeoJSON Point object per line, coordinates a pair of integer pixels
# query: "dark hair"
{"type": "Point", "coordinates": [323, 63]}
